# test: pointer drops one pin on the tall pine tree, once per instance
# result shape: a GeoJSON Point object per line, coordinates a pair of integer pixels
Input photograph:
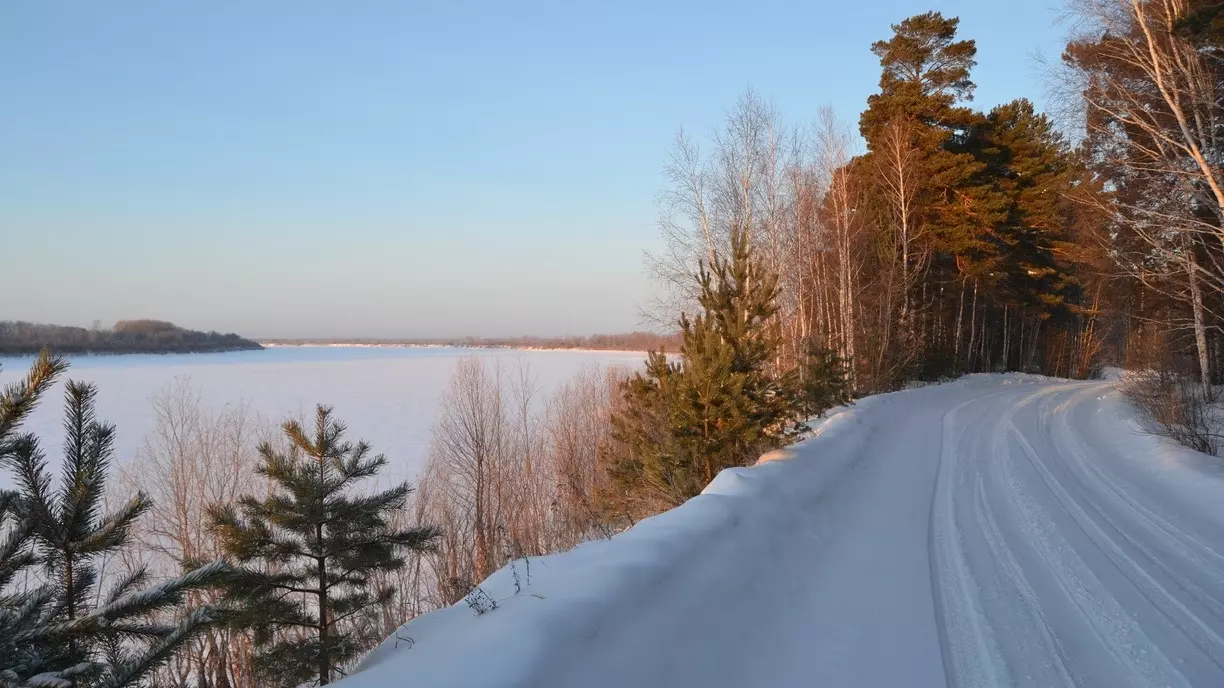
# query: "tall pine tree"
{"type": "Point", "coordinates": [988, 201]}
{"type": "Point", "coordinates": [926, 75]}
{"type": "Point", "coordinates": [308, 551]}
{"type": "Point", "coordinates": [65, 631]}
{"type": "Point", "coordinates": [925, 81]}
{"type": "Point", "coordinates": [1033, 166]}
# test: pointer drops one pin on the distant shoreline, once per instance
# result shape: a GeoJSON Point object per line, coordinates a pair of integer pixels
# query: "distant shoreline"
{"type": "Point", "coordinates": [19, 338]}
{"type": "Point", "coordinates": [281, 344]}
{"type": "Point", "coordinates": [84, 354]}
{"type": "Point", "coordinates": [629, 342]}
{"type": "Point", "coordinates": [331, 345]}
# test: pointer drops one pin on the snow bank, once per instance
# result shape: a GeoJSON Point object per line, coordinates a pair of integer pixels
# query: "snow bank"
{"type": "Point", "coordinates": [1157, 465]}
{"type": "Point", "coordinates": [549, 610]}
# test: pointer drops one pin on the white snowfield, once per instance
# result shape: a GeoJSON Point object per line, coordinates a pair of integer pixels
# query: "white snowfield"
{"type": "Point", "coordinates": [996, 531]}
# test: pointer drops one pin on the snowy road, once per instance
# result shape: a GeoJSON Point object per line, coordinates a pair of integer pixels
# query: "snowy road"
{"type": "Point", "coordinates": [997, 531]}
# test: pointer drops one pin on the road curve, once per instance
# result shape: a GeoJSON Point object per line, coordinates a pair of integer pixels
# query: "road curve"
{"type": "Point", "coordinates": [995, 531]}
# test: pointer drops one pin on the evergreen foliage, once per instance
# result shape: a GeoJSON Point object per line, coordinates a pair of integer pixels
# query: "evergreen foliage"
{"type": "Point", "coordinates": [63, 630]}
{"type": "Point", "coordinates": [1203, 24]}
{"type": "Point", "coordinates": [996, 283]}
{"type": "Point", "coordinates": [925, 79]}
{"type": "Point", "coordinates": [308, 550]}
{"type": "Point", "coordinates": [926, 74]}
{"type": "Point", "coordinates": [823, 382]}
{"type": "Point", "coordinates": [1033, 168]}
{"type": "Point", "coordinates": [722, 403]}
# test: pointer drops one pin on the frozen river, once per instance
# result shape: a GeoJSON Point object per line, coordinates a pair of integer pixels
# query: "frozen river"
{"type": "Point", "coordinates": [387, 396]}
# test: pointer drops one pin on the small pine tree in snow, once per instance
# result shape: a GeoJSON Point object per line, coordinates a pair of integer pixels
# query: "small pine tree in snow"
{"type": "Point", "coordinates": [720, 405]}
{"type": "Point", "coordinates": [308, 550]}
{"type": "Point", "coordinates": [57, 629]}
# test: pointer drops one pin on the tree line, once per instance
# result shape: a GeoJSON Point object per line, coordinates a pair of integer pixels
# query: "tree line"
{"type": "Point", "coordinates": [629, 341]}
{"type": "Point", "coordinates": [961, 240]}
{"type": "Point", "coordinates": [799, 272]}
{"type": "Point", "coordinates": [951, 244]}
{"type": "Point", "coordinates": [125, 337]}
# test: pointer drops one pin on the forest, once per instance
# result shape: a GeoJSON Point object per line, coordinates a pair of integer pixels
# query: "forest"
{"type": "Point", "coordinates": [805, 264]}
{"type": "Point", "coordinates": [966, 241]}
{"type": "Point", "coordinates": [125, 337]}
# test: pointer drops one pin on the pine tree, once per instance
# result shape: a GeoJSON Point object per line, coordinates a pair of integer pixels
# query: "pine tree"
{"type": "Point", "coordinates": [64, 631]}
{"type": "Point", "coordinates": [645, 462]}
{"type": "Point", "coordinates": [823, 383]}
{"type": "Point", "coordinates": [733, 404]}
{"type": "Point", "coordinates": [22, 611]}
{"type": "Point", "coordinates": [308, 551]}
{"type": "Point", "coordinates": [721, 404]}
{"type": "Point", "coordinates": [926, 78]}
{"type": "Point", "coordinates": [1203, 25]}
{"type": "Point", "coordinates": [926, 73]}
{"type": "Point", "coordinates": [1032, 165]}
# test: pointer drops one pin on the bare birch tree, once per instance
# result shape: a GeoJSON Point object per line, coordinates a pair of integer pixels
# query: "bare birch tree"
{"type": "Point", "coordinates": [843, 226]}
{"type": "Point", "coordinates": [1152, 111]}
{"type": "Point", "coordinates": [193, 457]}
{"type": "Point", "coordinates": [743, 181]}
{"type": "Point", "coordinates": [509, 476]}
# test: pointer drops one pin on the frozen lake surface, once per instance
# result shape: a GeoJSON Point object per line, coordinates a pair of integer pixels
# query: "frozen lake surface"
{"type": "Point", "coordinates": [387, 396]}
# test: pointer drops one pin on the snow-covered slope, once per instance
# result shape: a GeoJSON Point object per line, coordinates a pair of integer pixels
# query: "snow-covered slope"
{"type": "Point", "coordinates": [1000, 530]}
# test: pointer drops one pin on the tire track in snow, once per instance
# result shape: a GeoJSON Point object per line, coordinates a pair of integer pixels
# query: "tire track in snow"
{"type": "Point", "coordinates": [1200, 553]}
{"type": "Point", "coordinates": [1192, 547]}
{"type": "Point", "coordinates": [1056, 671]}
{"type": "Point", "coordinates": [971, 655]}
{"type": "Point", "coordinates": [979, 633]}
{"type": "Point", "coordinates": [1117, 632]}
{"type": "Point", "coordinates": [1110, 535]}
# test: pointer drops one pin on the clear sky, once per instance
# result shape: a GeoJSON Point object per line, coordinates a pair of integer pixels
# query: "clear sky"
{"type": "Point", "coordinates": [398, 168]}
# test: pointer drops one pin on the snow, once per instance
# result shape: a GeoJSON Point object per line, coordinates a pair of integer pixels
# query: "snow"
{"type": "Point", "coordinates": [386, 396]}
{"type": "Point", "coordinates": [998, 530]}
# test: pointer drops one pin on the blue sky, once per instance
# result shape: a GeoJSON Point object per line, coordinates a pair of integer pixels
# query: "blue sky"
{"type": "Point", "coordinates": [397, 168]}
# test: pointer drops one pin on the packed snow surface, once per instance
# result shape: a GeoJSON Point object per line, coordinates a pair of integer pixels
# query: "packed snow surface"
{"type": "Point", "coordinates": [996, 531]}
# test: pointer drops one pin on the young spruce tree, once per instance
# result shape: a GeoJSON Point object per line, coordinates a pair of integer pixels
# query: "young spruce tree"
{"type": "Point", "coordinates": [720, 405]}
{"type": "Point", "coordinates": [63, 631]}
{"type": "Point", "coordinates": [308, 550]}
{"type": "Point", "coordinates": [823, 382]}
